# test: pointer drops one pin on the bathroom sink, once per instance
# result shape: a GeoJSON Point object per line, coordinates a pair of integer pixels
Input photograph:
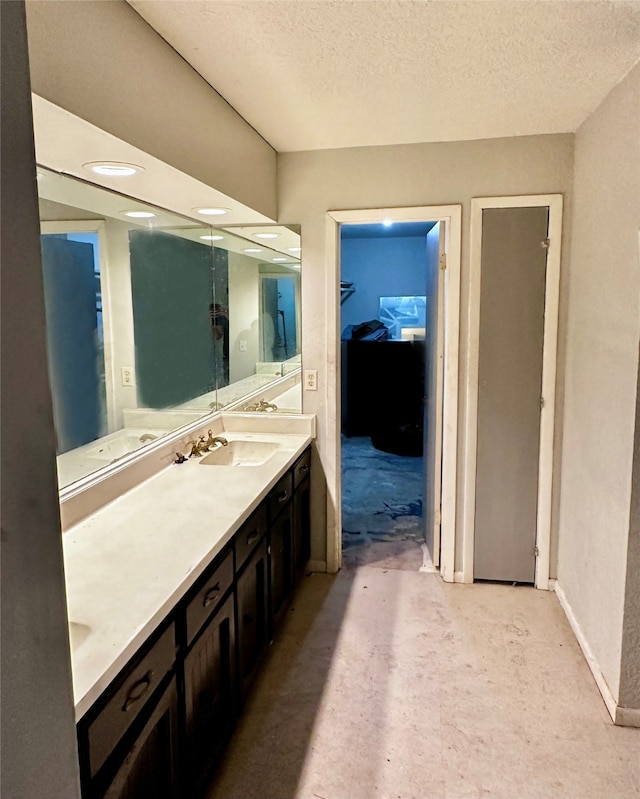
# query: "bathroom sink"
{"type": "Point", "coordinates": [78, 633]}
{"type": "Point", "coordinates": [240, 453]}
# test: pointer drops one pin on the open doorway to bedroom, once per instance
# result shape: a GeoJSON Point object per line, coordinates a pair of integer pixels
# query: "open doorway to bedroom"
{"type": "Point", "coordinates": [392, 366]}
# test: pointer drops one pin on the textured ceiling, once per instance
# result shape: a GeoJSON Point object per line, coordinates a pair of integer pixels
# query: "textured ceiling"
{"type": "Point", "coordinates": [311, 74]}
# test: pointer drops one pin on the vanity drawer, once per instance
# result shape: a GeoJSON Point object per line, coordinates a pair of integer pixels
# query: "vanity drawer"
{"type": "Point", "coordinates": [280, 494]}
{"type": "Point", "coordinates": [129, 696]}
{"type": "Point", "coordinates": [249, 534]}
{"type": "Point", "coordinates": [208, 596]}
{"type": "Point", "coordinates": [301, 468]}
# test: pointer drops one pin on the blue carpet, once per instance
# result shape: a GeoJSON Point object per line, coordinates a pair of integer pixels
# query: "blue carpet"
{"type": "Point", "coordinates": [381, 495]}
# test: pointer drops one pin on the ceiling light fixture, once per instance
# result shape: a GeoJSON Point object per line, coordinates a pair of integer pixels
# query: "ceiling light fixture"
{"type": "Point", "coordinates": [294, 249]}
{"type": "Point", "coordinates": [113, 169]}
{"type": "Point", "coordinates": [266, 235]}
{"type": "Point", "coordinates": [139, 214]}
{"type": "Point", "coordinates": [280, 260]}
{"type": "Point", "coordinates": [212, 211]}
{"type": "Point", "coordinates": [387, 222]}
{"type": "Point", "coordinates": [212, 238]}
{"type": "Point", "coordinates": [252, 249]}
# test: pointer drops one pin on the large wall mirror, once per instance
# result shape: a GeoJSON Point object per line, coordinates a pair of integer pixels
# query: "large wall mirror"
{"type": "Point", "coordinates": [154, 320]}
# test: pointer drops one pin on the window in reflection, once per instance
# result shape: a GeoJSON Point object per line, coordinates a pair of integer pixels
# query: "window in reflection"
{"type": "Point", "coordinates": [179, 353]}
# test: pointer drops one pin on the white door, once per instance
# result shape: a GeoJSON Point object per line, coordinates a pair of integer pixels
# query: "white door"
{"type": "Point", "coordinates": [434, 379]}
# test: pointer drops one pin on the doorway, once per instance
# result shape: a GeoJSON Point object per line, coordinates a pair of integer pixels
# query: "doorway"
{"type": "Point", "coordinates": [278, 322]}
{"type": "Point", "coordinates": [389, 300]}
{"type": "Point", "coordinates": [450, 216]}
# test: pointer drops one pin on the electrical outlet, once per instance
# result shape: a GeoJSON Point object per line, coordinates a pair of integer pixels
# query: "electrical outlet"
{"type": "Point", "coordinates": [310, 380]}
{"type": "Point", "coordinates": [127, 376]}
{"type": "Point", "coordinates": [243, 345]}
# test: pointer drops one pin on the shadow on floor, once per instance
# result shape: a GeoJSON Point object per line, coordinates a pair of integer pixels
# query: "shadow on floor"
{"type": "Point", "coordinates": [269, 752]}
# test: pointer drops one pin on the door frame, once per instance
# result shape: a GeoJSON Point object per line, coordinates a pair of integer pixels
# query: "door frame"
{"type": "Point", "coordinates": [549, 363]}
{"type": "Point", "coordinates": [451, 216]}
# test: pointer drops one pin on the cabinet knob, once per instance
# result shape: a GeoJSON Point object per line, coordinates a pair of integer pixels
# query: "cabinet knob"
{"type": "Point", "coordinates": [137, 690]}
{"type": "Point", "coordinates": [283, 496]}
{"type": "Point", "coordinates": [212, 594]}
{"type": "Point", "coordinates": [253, 537]}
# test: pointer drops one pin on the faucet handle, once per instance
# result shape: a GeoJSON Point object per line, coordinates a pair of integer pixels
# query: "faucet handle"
{"type": "Point", "coordinates": [195, 452]}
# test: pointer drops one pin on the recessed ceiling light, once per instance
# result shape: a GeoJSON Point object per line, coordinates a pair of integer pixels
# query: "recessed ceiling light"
{"type": "Point", "coordinates": [212, 238]}
{"type": "Point", "coordinates": [252, 249]}
{"type": "Point", "coordinates": [280, 260]}
{"type": "Point", "coordinates": [113, 169]}
{"type": "Point", "coordinates": [294, 249]}
{"type": "Point", "coordinates": [139, 214]}
{"type": "Point", "coordinates": [387, 222]}
{"type": "Point", "coordinates": [266, 235]}
{"type": "Point", "coordinates": [212, 211]}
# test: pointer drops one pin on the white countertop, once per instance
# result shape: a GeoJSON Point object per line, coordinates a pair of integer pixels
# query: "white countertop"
{"type": "Point", "coordinates": [128, 564]}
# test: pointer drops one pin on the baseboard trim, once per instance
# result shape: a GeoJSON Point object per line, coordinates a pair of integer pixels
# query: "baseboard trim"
{"type": "Point", "coordinates": [598, 676]}
{"type": "Point", "coordinates": [317, 566]}
{"type": "Point", "coordinates": [627, 716]}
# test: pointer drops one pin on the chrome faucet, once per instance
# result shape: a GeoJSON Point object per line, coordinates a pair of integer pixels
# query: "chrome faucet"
{"type": "Point", "coordinates": [196, 447]}
{"type": "Point", "coordinates": [262, 406]}
{"type": "Point", "coordinates": [213, 440]}
{"type": "Point", "coordinates": [203, 445]}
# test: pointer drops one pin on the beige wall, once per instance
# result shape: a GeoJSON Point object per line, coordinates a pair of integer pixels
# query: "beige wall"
{"type": "Point", "coordinates": [244, 304]}
{"type": "Point", "coordinates": [311, 183]}
{"type": "Point", "coordinates": [104, 63]}
{"type": "Point", "coordinates": [39, 752]}
{"type": "Point", "coordinates": [603, 328]}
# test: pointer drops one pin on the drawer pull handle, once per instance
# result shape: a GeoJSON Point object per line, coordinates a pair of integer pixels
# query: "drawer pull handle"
{"type": "Point", "coordinates": [304, 468]}
{"type": "Point", "coordinates": [283, 496]}
{"type": "Point", "coordinates": [138, 690]}
{"type": "Point", "coordinates": [212, 594]}
{"type": "Point", "coordinates": [253, 537]}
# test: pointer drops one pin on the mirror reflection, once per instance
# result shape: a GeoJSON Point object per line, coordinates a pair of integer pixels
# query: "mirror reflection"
{"type": "Point", "coordinates": [153, 320]}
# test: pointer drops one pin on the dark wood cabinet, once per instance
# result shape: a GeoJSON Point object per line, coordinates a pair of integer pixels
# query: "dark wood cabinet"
{"type": "Point", "coordinates": [281, 563]}
{"type": "Point", "coordinates": [161, 726]}
{"type": "Point", "coordinates": [210, 694]}
{"type": "Point", "coordinates": [301, 527]}
{"type": "Point", "coordinates": [252, 593]}
{"type": "Point", "coordinates": [149, 767]}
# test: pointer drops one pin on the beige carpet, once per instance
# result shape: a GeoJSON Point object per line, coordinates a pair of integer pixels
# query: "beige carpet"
{"type": "Point", "coordinates": [389, 683]}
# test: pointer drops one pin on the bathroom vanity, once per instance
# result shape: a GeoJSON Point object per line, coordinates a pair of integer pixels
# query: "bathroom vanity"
{"type": "Point", "coordinates": [174, 591]}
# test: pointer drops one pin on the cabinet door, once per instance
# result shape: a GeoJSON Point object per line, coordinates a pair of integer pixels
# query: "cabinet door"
{"type": "Point", "coordinates": [301, 527]}
{"type": "Point", "coordinates": [281, 563]}
{"type": "Point", "coordinates": [210, 691]}
{"type": "Point", "coordinates": [252, 612]}
{"type": "Point", "coordinates": [149, 768]}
